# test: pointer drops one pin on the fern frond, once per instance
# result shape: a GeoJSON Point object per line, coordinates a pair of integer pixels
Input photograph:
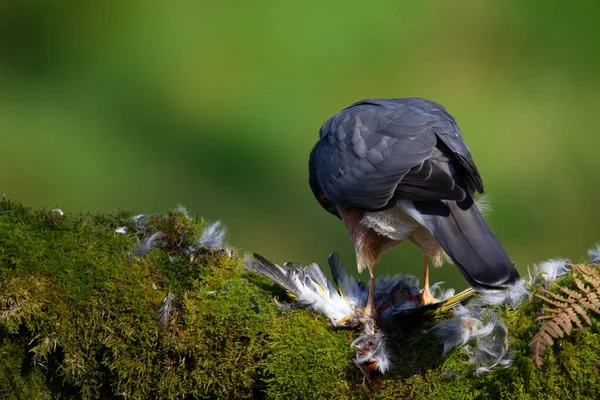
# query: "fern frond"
{"type": "Point", "coordinates": [566, 325]}
{"type": "Point", "coordinates": [551, 312]}
{"type": "Point", "coordinates": [573, 294]}
{"type": "Point", "coordinates": [592, 302]}
{"type": "Point", "coordinates": [538, 346]}
{"type": "Point", "coordinates": [573, 317]}
{"type": "Point", "coordinates": [580, 284]}
{"type": "Point", "coordinates": [590, 275]}
{"type": "Point", "coordinates": [581, 311]}
{"type": "Point", "coordinates": [555, 303]}
{"type": "Point", "coordinates": [566, 309]}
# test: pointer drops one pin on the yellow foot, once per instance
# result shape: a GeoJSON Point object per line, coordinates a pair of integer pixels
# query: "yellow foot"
{"type": "Point", "coordinates": [426, 297]}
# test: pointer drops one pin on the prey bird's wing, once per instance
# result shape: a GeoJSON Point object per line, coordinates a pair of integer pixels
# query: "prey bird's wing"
{"type": "Point", "coordinates": [286, 278]}
{"type": "Point", "coordinates": [318, 277]}
{"type": "Point", "coordinates": [376, 152]}
{"type": "Point", "coordinates": [346, 285]}
{"type": "Point", "coordinates": [310, 287]}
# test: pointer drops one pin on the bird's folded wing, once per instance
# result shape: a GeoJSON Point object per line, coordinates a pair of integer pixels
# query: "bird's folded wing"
{"type": "Point", "coordinates": [379, 150]}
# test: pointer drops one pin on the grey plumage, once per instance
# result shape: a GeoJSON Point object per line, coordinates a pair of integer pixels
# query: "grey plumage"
{"type": "Point", "coordinates": [458, 331]}
{"type": "Point", "coordinates": [380, 154]}
{"type": "Point", "coordinates": [347, 284]}
{"type": "Point", "coordinates": [366, 150]}
{"type": "Point", "coordinates": [274, 272]}
{"type": "Point", "coordinates": [314, 273]}
{"type": "Point", "coordinates": [461, 230]}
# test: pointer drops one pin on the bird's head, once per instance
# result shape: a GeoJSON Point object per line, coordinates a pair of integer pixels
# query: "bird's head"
{"type": "Point", "coordinates": [348, 321]}
{"type": "Point", "coordinates": [327, 204]}
{"type": "Point", "coordinates": [316, 188]}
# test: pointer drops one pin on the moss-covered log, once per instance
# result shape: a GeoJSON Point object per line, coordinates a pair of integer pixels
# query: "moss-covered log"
{"type": "Point", "coordinates": [79, 317]}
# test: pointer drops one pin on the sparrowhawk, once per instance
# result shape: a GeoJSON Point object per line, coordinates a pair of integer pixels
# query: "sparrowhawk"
{"type": "Point", "coordinates": [396, 169]}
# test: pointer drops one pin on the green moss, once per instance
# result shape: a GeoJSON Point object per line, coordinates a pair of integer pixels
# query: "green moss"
{"type": "Point", "coordinates": [79, 318]}
{"type": "Point", "coordinates": [570, 370]}
{"type": "Point", "coordinates": [307, 359]}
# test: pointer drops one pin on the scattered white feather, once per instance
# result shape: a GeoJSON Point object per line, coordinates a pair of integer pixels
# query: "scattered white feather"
{"type": "Point", "coordinates": [141, 223]}
{"type": "Point", "coordinates": [213, 236]}
{"type": "Point", "coordinates": [180, 209]}
{"type": "Point", "coordinates": [481, 333]}
{"type": "Point", "coordinates": [142, 246]}
{"type": "Point", "coordinates": [594, 254]}
{"type": "Point", "coordinates": [58, 211]}
{"type": "Point", "coordinates": [164, 311]}
{"type": "Point", "coordinates": [490, 351]}
{"type": "Point", "coordinates": [549, 271]}
{"type": "Point", "coordinates": [121, 229]}
{"type": "Point", "coordinates": [465, 326]}
{"type": "Point", "coordinates": [140, 218]}
{"type": "Point", "coordinates": [514, 296]}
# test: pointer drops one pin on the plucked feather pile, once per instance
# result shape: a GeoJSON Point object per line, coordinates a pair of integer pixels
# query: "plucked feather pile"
{"type": "Point", "coordinates": [475, 326]}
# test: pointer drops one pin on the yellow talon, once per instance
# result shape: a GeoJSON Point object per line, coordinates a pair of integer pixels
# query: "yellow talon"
{"type": "Point", "coordinates": [426, 297]}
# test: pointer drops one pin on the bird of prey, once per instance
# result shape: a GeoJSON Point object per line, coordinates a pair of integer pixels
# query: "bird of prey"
{"type": "Point", "coordinates": [396, 169]}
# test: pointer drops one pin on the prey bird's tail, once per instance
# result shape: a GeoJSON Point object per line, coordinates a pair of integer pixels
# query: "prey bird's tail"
{"type": "Point", "coordinates": [399, 317]}
{"type": "Point", "coordinates": [462, 232]}
{"type": "Point", "coordinates": [441, 307]}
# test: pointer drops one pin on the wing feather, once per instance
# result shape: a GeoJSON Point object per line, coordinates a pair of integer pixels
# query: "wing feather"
{"type": "Point", "coordinates": [376, 152]}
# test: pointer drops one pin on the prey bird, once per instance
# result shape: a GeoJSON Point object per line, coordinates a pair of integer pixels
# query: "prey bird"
{"type": "Point", "coordinates": [343, 300]}
{"type": "Point", "coordinates": [396, 169]}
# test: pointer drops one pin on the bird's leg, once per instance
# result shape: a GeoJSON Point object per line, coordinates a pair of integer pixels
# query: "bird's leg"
{"type": "Point", "coordinates": [370, 307]}
{"type": "Point", "coordinates": [368, 247]}
{"type": "Point", "coordinates": [426, 297]}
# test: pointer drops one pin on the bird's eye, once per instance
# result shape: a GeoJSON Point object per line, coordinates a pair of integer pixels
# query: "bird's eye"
{"type": "Point", "coordinates": [324, 199]}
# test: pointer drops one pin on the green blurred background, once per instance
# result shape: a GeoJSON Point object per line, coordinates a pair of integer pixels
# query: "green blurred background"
{"type": "Point", "coordinates": [216, 105]}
